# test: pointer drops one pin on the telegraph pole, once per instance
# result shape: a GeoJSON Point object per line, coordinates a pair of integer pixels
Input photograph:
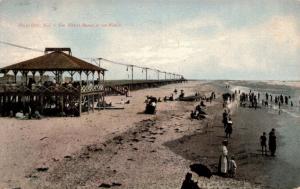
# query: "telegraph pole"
{"type": "Point", "coordinates": [131, 73]}
{"type": "Point", "coordinates": [146, 69]}
{"type": "Point", "coordinates": [99, 60]}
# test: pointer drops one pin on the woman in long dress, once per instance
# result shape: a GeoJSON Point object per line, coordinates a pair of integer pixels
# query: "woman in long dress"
{"type": "Point", "coordinates": [223, 160]}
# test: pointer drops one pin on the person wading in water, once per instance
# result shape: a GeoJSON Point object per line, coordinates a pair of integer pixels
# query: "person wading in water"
{"type": "Point", "coordinates": [272, 142]}
{"type": "Point", "coordinates": [263, 143]}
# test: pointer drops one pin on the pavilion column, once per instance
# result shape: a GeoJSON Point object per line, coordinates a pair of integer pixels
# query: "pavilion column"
{"type": "Point", "coordinates": [80, 96]}
{"type": "Point", "coordinates": [72, 74]}
{"type": "Point", "coordinates": [25, 73]}
{"type": "Point", "coordinates": [93, 77]}
{"type": "Point", "coordinates": [103, 77]}
{"type": "Point", "coordinates": [99, 95]}
{"type": "Point", "coordinates": [41, 76]}
{"type": "Point", "coordinates": [62, 103]}
{"type": "Point", "coordinates": [103, 72]}
{"type": "Point", "coordinates": [80, 81]}
{"type": "Point", "coordinates": [41, 98]}
{"type": "Point", "coordinates": [93, 96]}
{"type": "Point", "coordinates": [99, 78]}
{"type": "Point", "coordinates": [87, 77]}
{"type": "Point", "coordinates": [59, 75]}
{"type": "Point", "coordinates": [88, 96]}
{"type": "Point", "coordinates": [55, 74]}
{"type": "Point", "coordinates": [33, 75]}
{"type": "Point", "coordinates": [15, 74]}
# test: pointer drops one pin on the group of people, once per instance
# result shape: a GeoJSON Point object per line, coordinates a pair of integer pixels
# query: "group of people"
{"type": "Point", "coordinates": [226, 166]}
{"type": "Point", "coordinates": [171, 97]}
{"type": "Point", "coordinates": [199, 112]}
{"type": "Point", "coordinates": [272, 143]}
{"type": "Point", "coordinates": [253, 100]}
{"type": "Point", "coordinates": [150, 105]}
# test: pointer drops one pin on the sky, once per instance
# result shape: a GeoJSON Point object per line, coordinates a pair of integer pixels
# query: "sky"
{"type": "Point", "coordinates": [200, 39]}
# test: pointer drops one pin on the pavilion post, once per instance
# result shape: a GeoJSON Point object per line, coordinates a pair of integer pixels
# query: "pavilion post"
{"type": "Point", "coordinates": [93, 98]}
{"type": "Point", "coordinates": [62, 103]}
{"type": "Point", "coordinates": [99, 77]}
{"type": "Point", "coordinates": [103, 73]}
{"type": "Point", "coordinates": [33, 75]}
{"type": "Point", "coordinates": [80, 108]}
{"type": "Point", "coordinates": [87, 96]}
{"type": "Point", "coordinates": [80, 81]}
{"type": "Point", "coordinates": [72, 74]}
{"type": "Point", "coordinates": [41, 76]}
{"type": "Point", "coordinates": [99, 95]}
{"type": "Point", "coordinates": [60, 77]}
{"type": "Point", "coordinates": [25, 73]}
{"type": "Point", "coordinates": [93, 78]}
{"type": "Point", "coordinates": [15, 74]}
{"type": "Point", "coordinates": [80, 95]}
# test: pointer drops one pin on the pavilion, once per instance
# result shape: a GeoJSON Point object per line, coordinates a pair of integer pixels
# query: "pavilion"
{"type": "Point", "coordinates": [56, 83]}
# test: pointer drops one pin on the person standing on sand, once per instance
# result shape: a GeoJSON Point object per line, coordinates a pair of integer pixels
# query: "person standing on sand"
{"type": "Point", "coordinates": [228, 129]}
{"type": "Point", "coordinates": [272, 142]}
{"type": "Point", "coordinates": [223, 160]}
{"type": "Point", "coordinates": [225, 118]}
{"type": "Point", "coordinates": [263, 143]}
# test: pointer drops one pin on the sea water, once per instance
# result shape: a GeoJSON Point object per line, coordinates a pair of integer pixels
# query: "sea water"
{"type": "Point", "coordinates": [285, 170]}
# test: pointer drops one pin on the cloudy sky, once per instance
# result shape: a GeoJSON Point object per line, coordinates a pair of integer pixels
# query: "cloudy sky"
{"type": "Point", "coordinates": [201, 39]}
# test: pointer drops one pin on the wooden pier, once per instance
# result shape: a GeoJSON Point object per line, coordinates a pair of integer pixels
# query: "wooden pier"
{"type": "Point", "coordinates": [120, 87]}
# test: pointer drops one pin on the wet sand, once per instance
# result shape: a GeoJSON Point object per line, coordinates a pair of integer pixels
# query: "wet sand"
{"type": "Point", "coordinates": [249, 124]}
{"type": "Point", "coordinates": [127, 149]}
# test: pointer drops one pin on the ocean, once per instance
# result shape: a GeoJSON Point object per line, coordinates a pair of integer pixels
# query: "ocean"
{"type": "Point", "coordinates": [284, 172]}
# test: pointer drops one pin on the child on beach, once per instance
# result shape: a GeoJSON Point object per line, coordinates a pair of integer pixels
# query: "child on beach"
{"type": "Point", "coordinates": [263, 143]}
{"type": "Point", "coordinates": [232, 167]}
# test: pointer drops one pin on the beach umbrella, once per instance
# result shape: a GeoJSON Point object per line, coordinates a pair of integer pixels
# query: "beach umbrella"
{"type": "Point", "coordinates": [201, 170]}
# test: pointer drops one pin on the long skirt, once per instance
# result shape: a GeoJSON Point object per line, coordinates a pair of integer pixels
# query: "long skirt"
{"type": "Point", "coordinates": [223, 164]}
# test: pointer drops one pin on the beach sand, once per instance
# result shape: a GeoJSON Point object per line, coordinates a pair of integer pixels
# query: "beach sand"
{"type": "Point", "coordinates": [134, 150]}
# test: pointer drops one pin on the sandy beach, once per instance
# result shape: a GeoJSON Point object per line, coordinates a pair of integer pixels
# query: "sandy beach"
{"type": "Point", "coordinates": [128, 149]}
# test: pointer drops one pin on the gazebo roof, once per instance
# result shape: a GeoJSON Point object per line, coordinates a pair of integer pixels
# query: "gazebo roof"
{"type": "Point", "coordinates": [54, 61]}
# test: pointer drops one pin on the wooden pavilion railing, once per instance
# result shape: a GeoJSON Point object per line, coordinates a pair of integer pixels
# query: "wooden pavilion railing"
{"type": "Point", "coordinates": [58, 89]}
{"type": "Point", "coordinates": [92, 88]}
